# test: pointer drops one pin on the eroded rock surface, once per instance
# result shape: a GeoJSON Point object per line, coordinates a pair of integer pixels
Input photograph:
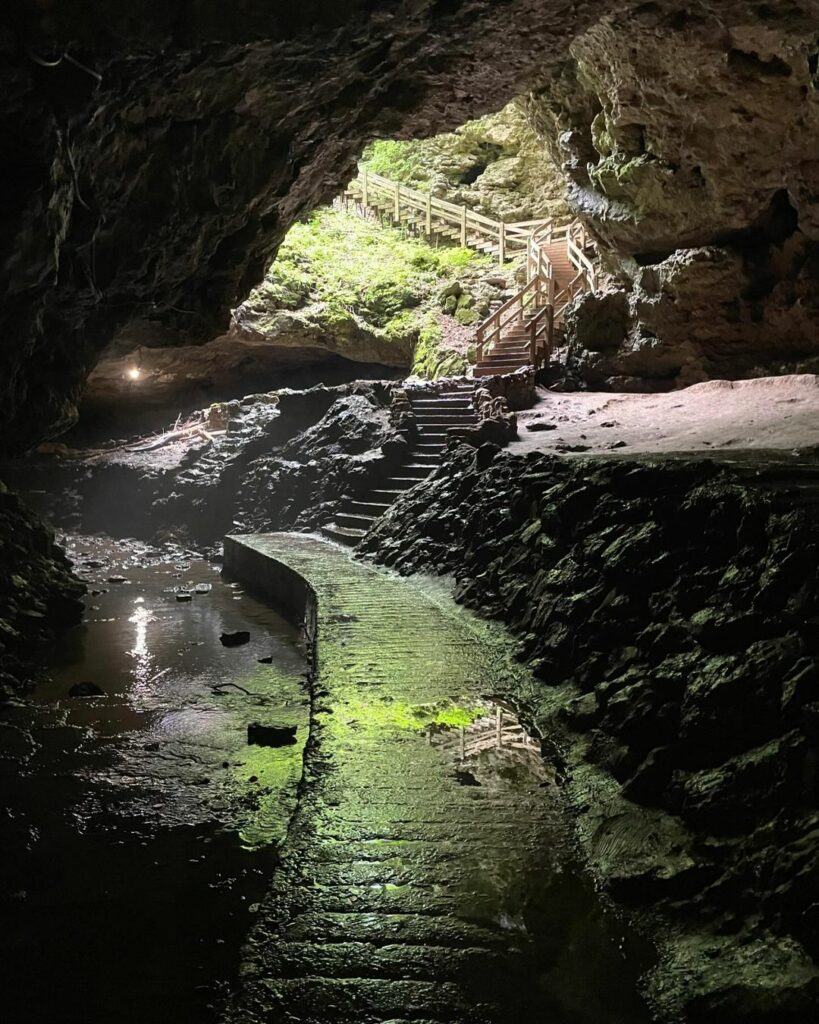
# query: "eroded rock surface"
{"type": "Point", "coordinates": [686, 138]}
{"type": "Point", "coordinates": [268, 462]}
{"type": "Point", "coordinates": [670, 611]}
{"type": "Point", "coordinates": [38, 591]}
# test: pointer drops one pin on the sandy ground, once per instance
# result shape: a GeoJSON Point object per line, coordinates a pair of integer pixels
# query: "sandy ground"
{"type": "Point", "coordinates": [718, 416]}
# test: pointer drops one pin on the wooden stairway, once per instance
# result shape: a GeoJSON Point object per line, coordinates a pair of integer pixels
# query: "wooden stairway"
{"type": "Point", "coordinates": [437, 418]}
{"type": "Point", "coordinates": [425, 214]}
{"type": "Point", "coordinates": [521, 332]}
{"type": "Point", "coordinates": [559, 265]}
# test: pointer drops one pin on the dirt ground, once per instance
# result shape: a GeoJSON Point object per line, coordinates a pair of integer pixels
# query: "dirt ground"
{"type": "Point", "coordinates": [717, 416]}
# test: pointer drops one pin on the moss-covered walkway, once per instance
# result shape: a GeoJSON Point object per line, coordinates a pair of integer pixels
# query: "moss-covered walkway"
{"type": "Point", "coordinates": [417, 884]}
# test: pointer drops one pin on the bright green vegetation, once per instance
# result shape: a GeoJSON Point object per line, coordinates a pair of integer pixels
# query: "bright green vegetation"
{"type": "Point", "coordinates": [357, 279]}
{"type": "Point", "coordinates": [498, 164]}
{"type": "Point", "coordinates": [445, 714]}
{"type": "Point", "coordinates": [355, 266]}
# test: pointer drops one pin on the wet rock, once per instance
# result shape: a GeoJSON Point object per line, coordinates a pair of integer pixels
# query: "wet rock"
{"type": "Point", "coordinates": [271, 735]}
{"type": "Point", "coordinates": [235, 639]}
{"type": "Point", "coordinates": [265, 661]}
{"type": "Point", "coordinates": [86, 689]}
{"type": "Point", "coordinates": [203, 588]}
{"type": "Point", "coordinates": [184, 595]}
{"type": "Point", "coordinates": [672, 622]}
{"type": "Point", "coordinates": [117, 579]}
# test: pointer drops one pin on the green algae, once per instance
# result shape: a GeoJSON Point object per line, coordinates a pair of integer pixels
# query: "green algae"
{"type": "Point", "coordinates": [444, 714]}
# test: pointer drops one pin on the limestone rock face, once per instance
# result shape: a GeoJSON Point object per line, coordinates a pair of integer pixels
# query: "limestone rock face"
{"type": "Point", "coordinates": [497, 165]}
{"type": "Point", "coordinates": [153, 174]}
{"type": "Point", "coordinates": [38, 591]}
{"type": "Point", "coordinates": [154, 156]}
{"type": "Point", "coordinates": [688, 142]}
{"type": "Point", "coordinates": [669, 610]}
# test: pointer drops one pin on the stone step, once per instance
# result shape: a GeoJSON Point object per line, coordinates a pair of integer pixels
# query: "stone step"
{"type": "Point", "coordinates": [369, 507]}
{"type": "Point", "coordinates": [385, 495]}
{"type": "Point", "coordinates": [427, 458]}
{"type": "Point", "coordinates": [342, 535]}
{"type": "Point", "coordinates": [458, 403]}
{"type": "Point", "coordinates": [494, 371]}
{"type": "Point", "coordinates": [416, 469]}
{"type": "Point", "coordinates": [401, 483]}
{"type": "Point", "coordinates": [354, 521]}
{"type": "Point", "coordinates": [428, 418]}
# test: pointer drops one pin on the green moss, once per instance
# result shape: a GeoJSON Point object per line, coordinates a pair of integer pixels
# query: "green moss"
{"type": "Point", "coordinates": [349, 275]}
{"type": "Point", "coordinates": [466, 316]}
{"type": "Point", "coordinates": [432, 360]}
{"type": "Point", "coordinates": [445, 714]}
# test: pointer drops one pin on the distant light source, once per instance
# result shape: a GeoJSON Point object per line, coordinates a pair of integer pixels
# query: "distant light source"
{"type": "Point", "coordinates": [133, 373]}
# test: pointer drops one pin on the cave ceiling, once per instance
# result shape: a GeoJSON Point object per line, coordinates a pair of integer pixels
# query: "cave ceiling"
{"type": "Point", "coordinates": [154, 154]}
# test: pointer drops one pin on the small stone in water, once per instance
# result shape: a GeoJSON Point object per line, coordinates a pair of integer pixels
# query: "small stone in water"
{"type": "Point", "coordinates": [271, 735]}
{"type": "Point", "coordinates": [184, 595]}
{"type": "Point", "coordinates": [117, 579]}
{"type": "Point", "coordinates": [203, 588]}
{"type": "Point", "coordinates": [241, 636]}
{"type": "Point", "coordinates": [266, 661]}
{"type": "Point", "coordinates": [86, 689]}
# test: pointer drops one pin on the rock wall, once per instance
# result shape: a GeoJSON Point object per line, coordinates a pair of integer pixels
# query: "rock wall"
{"type": "Point", "coordinates": [496, 165]}
{"type": "Point", "coordinates": [670, 610]}
{"type": "Point", "coordinates": [687, 141]}
{"type": "Point", "coordinates": [155, 154]}
{"type": "Point", "coordinates": [38, 592]}
{"type": "Point", "coordinates": [286, 459]}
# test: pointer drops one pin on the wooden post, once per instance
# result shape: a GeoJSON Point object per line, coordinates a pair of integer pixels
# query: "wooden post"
{"type": "Point", "coordinates": [498, 727]}
{"type": "Point", "coordinates": [502, 243]}
{"type": "Point", "coordinates": [463, 226]}
{"type": "Point", "coordinates": [365, 189]}
{"type": "Point", "coordinates": [550, 330]}
{"type": "Point", "coordinates": [429, 214]}
{"type": "Point", "coordinates": [397, 208]}
{"type": "Point", "coordinates": [533, 343]}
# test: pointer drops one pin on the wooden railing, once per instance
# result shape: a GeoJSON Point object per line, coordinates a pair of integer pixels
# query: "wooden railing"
{"type": "Point", "coordinates": [535, 298]}
{"type": "Point", "coordinates": [423, 210]}
{"type": "Point", "coordinates": [539, 304]}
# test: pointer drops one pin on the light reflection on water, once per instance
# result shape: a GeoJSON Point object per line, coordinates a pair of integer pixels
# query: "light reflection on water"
{"type": "Point", "coordinates": [145, 798]}
{"type": "Point", "coordinates": [139, 652]}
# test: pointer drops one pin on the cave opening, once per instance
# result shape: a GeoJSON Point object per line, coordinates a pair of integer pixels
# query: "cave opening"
{"type": "Point", "coordinates": [409, 471]}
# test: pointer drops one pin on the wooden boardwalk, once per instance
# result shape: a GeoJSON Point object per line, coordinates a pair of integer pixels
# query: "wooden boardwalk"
{"type": "Point", "coordinates": [559, 265]}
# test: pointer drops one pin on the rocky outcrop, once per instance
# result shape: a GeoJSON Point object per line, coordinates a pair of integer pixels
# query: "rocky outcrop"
{"type": "Point", "coordinates": [496, 165]}
{"type": "Point", "coordinates": [267, 462]}
{"type": "Point", "coordinates": [670, 611]}
{"type": "Point", "coordinates": [38, 592]}
{"type": "Point", "coordinates": [154, 158]}
{"type": "Point", "coordinates": [683, 136]}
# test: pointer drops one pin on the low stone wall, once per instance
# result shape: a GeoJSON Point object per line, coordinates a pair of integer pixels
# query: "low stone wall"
{"type": "Point", "coordinates": [671, 611]}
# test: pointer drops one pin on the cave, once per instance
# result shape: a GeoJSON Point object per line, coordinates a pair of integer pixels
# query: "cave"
{"type": "Point", "coordinates": [409, 489]}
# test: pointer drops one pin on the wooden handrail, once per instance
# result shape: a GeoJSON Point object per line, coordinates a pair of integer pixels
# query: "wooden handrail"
{"type": "Point", "coordinates": [532, 238]}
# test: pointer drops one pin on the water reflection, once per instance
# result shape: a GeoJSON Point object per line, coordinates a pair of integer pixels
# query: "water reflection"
{"type": "Point", "coordinates": [139, 652]}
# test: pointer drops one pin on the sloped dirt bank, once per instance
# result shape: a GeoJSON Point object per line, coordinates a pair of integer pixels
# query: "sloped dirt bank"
{"type": "Point", "coordinates": [670, 612]}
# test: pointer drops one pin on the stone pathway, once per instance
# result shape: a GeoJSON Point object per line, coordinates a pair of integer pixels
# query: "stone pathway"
{"type": "Point", "coordinates": [426, 876]}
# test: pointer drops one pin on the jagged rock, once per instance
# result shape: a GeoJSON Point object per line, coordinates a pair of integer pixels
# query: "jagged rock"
{"type": "Point", "coordinates": [652, 600]}
{"type": "Point", "coordinates": [271, 735]}
{"type": "Point", "coordinates": [86, 689]}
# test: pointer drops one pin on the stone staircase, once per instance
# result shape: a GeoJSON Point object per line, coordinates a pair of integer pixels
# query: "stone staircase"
{"type": "Point", "coordinates": [438, 417]}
